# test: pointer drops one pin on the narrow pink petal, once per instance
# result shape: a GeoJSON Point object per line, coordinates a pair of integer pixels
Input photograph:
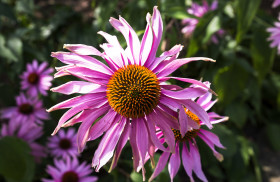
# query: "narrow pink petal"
{"type": "Point", "coordinates": [147, 41]}
{"type": "Point", "coordinates": [83, 131]}
{"type": "Point", "coordinates": [152, 133]}
{"type": "Point", "coordinates": [82, 49]}
{"type": "Point", "coordinates": [183, 120]}
{"type": "Point", "coordinates": [198, 111]}
{"type": "Point", "coordinates": [87, 72]}
{"type": "Point", "coordinates": [203, 100]}
{"type": "Point", "coordinates": [142, 141]}
{"type": "Point", "coordinates": [123, 140]}
{"type": "Point", "coordinates": [114, 55]}
{"type": "Point", "coordinates": [157, 61]}
{"type": "Point", "coordinates": [170, 87]}
{"type": "Point", "coordinates": [80, 60]}
{"type": "Point", "coordinates": [157, 33]}
{"type": "Point", "coordinates": [134, 147]}
{"type": "Point", "coordinates": [174, 65]}
{"type": "Point", "coordinates": [187, 161]}
{"type": "Point", "coordinates": [107, 145]}
{"type": "Point", "coordinates": [187, 93]}
{"type": "Point", "coordinates": [197, 163]}
{"type": "Point", "coordinates": [174, 162]}
{"type": "Point", "coordinates": [160, 165]}
{"type": "Point", "coordinates": [103, 124]}
{"type": "Point", "coordinates": [209, 105]}
{"type": "Point", "coordinates": [79, 87]}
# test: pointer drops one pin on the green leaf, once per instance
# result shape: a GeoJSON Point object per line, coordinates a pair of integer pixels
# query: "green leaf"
{"type": "Point", "coordinates": [7, 11]}
{"type": "Point", "coordinates": [230, 82]}
{"type": "Point", "coordinates": [237, 113]}
{"type": "Point", "coordinates": [212, 27]}
{"type": "Point", "coordinates": [5, 51]}
{"type": "Point", "coordinates": [15, 45]}
{"type": "Point", "coordinates": [178, 12]}
{"type": "Point", "coordinates": [246, 11]}
{"type": "Point", "coordinates": [136, 176]}
{"type": "Point", "coordinates": [273, 134]}
{"type": "Point", "coordinates": [25, 6]}
{"type": "Point", "coordinates": [16, 163]}
{"type": "Point", "coordinates": [262, 54]}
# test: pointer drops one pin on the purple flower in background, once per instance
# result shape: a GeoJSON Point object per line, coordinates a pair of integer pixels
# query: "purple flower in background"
{"type": "Point", "coordinates": [27, 110]}
{"type": "Point", "coordinates": [28, 132]}
{"type": "Point", "coordinates": [69, 170]}
{"type": "Point", "coordinates": [276, 3]}
{"type": "Point", "coordinates": [36, 79]}
{"type": "Point", "coordinates": [189, 152]}
{"type": "Point", "coordinates": [64, 144]}
{"type": "Point", "coordinates": [275, 35]}
{"type": "Point", "coordinates": [199, 11]}
{"type": "Point", "coordinates": [128, 94]}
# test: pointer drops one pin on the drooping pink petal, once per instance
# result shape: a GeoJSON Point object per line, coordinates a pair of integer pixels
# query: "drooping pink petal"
{"type": "Point", "coordinates": [82, 49]}
{"type": "Point", "coordinates": [160, 165]}
{"type": "Point", "coordinates": [79, 87]}
{"type": "Point", "coordinates": [174, 65]}
{"type": "Point", "coordinates": [187, 93]}
{"type": "Point", "coordinates": [123, 140]}
{"type": "Point", "coordinates": [82, 135]}
{"type": "Point", "coordinates": [174, 162]}
{"type": "Point", "coordinates": [107, 145]}
{"type": "Point", "coordinates": [196, 162]}
{"type": "Point", "coordinates": [81, 60]}
{"type": "Point", "coordinates": [183, 120]}
{"type": "Point", "coordinates": [134, 147]}
{"type": "Point", "coordinates": [187, 161]}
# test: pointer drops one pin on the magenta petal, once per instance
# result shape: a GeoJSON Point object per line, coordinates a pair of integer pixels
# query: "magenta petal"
{"type": "Point", "coordinates": [177, 63]}
{"type": "Point", "coordinates": [157, 33]}
{"type": "Point", "coordinates": [146, 43]}
{"type": "Point", "coordinates": [187, 161]}
{"type": "Point", "coordinates": [134, 147]}
{"type": "Point", "coordinates": [142, 141]}
{"type": "Point", "coordinates": [183, 120]}
{"type": "Point", "coordinates": [187, 93]}
{"type": "Point", "coordinates": [152, 133]}
{"type": "Point", "coordinates": [87, 72]}
{"type": "Point", "coordinates": [203, 100]}
{"type": "Point", "coordinates": [197, 163]}
{"type": "Point", "coordinates": [211, 145]}
{"type": "Point", "coordinates": [78, 87]}
{"type": "Point", "coordinates": [80, 60]}
{"type": "Point", "coordinates": [82, 49]}
{"type": "Point", "coordinates": [103, 124]}
{"type": "Point", "coordinates": [106, 147]}
{"type": "Point", "coordinates": [174, 162]}
{"type": "Point", "coordinates": [123, 140]}
{"type": "Point", "coordinates": [160, 165]}
{"type": "Point", "coordinates": [198, 111]}
{"type": "Point", "coordinates": [113, 55]}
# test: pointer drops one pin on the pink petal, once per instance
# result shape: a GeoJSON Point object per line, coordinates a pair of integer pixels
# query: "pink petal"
{"type": "Point", "coordinates": [174, 65]}
{"type": "Point", "coordinates": [79, 87]}
{"type": "Point", "coordinates": [187, 161]}
{"type": "Point", "coordinates": [83, 131]}
{"type": "Point", "coordinates": [183, 120]}
{"type": "Point", "coordinates": [160, 165]}
{"type": "Point", "coordinates": [187, 93]}
{"type": "Point", "coordinates": [174, 162]}
{"type": "Point", "coordinates": [82, 49]}
{"type": "Point", "coordinates": [107, 145]}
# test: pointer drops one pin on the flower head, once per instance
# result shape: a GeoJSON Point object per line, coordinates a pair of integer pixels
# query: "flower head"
{"type": "Point", "coordinates": [64, 144]}
{"type": "Point", "coordinates": [275, 35]}
{"type": "Point", "coordinates": [69, 170]}
{"type": "Point", "coordinates": [27, 110]}
{"type": "Point", "coordinates": [128, 94]}
{"type": "Point", "coordinates": [199, 11]}
{"type": "Point", "coordinates": [28, 132]}
{"type": "Point", "coordinates": [36, 79]}
{"type": "Point", "coordinates": [189, 151]}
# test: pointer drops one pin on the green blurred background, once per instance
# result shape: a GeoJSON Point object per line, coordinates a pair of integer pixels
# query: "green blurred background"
{"type": "Point", "coordinates": [246, 75]}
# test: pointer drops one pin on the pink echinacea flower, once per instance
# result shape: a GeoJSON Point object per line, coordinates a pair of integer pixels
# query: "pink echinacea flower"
{"type": "Point", "coordinates": [36, 79]}
{"type": "Point", "coordinates": [69, 170]}
{"type": "Point", "coordinates": [27, 110]}
{"type": "Point", "coordinates": [128, 94]}
{"type": "Point", "coordinates": [189, 150]}
{"type": "Point", "coordinates": [64, 144]}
